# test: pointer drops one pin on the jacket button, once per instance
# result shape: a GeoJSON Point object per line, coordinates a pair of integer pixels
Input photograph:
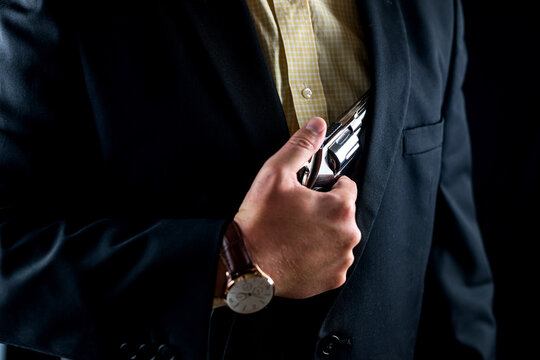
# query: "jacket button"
{"type": "Point", "coordinates": [166, 352]}
{"type": "Point", "coordinates": [127, 351]}
{"type": "Point", "coordinates": [329, 344]}
{"type": "Point", "coordinates": [145, 352]}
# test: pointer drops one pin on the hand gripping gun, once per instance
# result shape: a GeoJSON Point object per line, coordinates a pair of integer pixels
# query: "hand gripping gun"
{"type": "Point", "coordinates": [341, 144]}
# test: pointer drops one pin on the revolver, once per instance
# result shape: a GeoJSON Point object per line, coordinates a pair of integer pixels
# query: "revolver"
{"type": "Point", "coordinates": [341, 144]}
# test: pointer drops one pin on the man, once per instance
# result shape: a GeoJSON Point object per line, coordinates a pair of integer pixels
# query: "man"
{"type": "Point", "coordinates": [135, 135]}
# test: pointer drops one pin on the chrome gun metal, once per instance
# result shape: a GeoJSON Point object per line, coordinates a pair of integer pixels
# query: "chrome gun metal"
{"type": "Point", "coordinates": [341, 144]}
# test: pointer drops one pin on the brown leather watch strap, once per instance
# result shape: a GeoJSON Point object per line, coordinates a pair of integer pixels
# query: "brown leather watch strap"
{"type": "Point", "coordinates": [234, 252]}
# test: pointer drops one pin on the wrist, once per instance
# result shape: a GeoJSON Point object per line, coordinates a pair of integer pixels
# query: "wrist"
{"type": "Point", "coordinates": [247, 288]}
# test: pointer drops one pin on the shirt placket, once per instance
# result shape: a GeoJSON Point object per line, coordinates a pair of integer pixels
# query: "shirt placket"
{"type": "Point", "coordinates": [298, 37]}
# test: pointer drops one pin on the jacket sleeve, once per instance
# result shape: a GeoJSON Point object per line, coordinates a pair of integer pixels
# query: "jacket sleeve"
{"type": "Point", "coordinates": [457, 317]}
{"type": "Point", "coordinates": [79, 276]}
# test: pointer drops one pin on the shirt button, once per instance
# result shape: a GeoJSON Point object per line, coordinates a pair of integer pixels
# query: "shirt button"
{"type": "Point", "coordinates": [307, 93]}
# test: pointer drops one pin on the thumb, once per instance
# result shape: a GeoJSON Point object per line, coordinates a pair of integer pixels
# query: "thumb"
{"type": "Point", "coordinates": [302, 145]}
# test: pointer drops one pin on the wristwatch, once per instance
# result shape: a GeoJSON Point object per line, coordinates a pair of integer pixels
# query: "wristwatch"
{"type": "Point", "coordinates": [248, 288]}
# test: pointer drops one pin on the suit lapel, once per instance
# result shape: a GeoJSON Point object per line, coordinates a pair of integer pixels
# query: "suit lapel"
{"type": "Point", "coordinates": [388, 51]}
{"type": "Point", "coordinates": [389, 55]}
{"type": "Point", "coordinates": [240, 65]}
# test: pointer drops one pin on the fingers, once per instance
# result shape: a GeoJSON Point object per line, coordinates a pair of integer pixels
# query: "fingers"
{"type": "Point", "coordinates": [345, 212]}
{"type": "Point", "coordinates": [301, 146]}
{"type": "Point", "coordinates": [346, 188]}
{"type": "Point", "coordinates": [319, 227]}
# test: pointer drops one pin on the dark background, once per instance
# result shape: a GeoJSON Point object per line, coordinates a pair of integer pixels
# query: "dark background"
{"type": "Point", "coordinates": [502, 90]}
{"type": "Point", "coordinates": [502, 93]}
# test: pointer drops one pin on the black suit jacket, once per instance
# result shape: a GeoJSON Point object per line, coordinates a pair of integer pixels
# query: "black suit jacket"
{"type": "Point", "coordinates": [130, 132]}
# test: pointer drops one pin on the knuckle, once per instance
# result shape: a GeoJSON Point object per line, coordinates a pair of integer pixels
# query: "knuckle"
{"type": "Point", "coordinates": [331, 199]}
{"type": "Point", "coordinates": [348, 184]}
{"type": "Point", "coordinates": [271, 165]}
{"type": "Point", "coordinates": [348, 210]}
{"type": "Point", "coordinates": [342, 209]}
{"type": "Point", "coordinates": [302, 142]}
{"type": "Point", "coordinates": [347, 181]}
{"type": "Point", "coordinates": [350, 236]}
{"type": "Point", "coordinates": [349, 260]}
{"type": "Point", "coordinates": [357, 236]}
{"type": "Point", "coordinates": [272, 175]}
{"type": "Point", "coordinates": [339, 280]}
{"type": "Point", "coordinates": [353, 234]}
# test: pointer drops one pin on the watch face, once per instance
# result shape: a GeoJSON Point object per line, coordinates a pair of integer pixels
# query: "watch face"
{"type": "Point", "coordinates": [250, 293]}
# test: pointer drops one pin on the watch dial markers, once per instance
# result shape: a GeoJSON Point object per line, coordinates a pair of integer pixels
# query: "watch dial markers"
{"type": "Point", "coordinates": [250, 294]}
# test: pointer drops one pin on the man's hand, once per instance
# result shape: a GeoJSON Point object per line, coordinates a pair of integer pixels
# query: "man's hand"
{"type": "Point", "coordinates": [303, 239]}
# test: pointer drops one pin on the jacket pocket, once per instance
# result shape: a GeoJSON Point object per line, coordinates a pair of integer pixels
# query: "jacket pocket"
{"type": "Point", "coordinates": [422, 139]}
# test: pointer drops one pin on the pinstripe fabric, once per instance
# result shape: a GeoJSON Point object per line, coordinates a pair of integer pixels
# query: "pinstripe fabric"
{"type": "Point", "coordinates": [316, 54]}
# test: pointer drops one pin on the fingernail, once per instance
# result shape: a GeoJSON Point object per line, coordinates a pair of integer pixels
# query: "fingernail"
{"type": "Point", "coordinates": [316, 125]}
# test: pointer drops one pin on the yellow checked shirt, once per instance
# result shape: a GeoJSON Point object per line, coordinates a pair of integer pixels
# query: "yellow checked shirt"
{"type": "Point", "coordinates": [315, 50]}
